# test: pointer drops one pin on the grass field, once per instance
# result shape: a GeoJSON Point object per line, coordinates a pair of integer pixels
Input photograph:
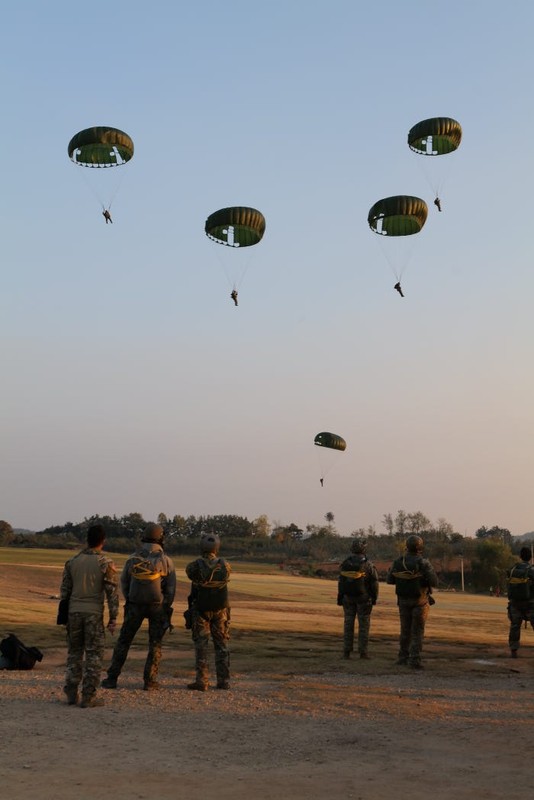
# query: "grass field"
{"type": "Point", "coordinates": [280, 622]}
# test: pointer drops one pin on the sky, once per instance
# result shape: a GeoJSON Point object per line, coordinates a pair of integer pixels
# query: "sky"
{"type": "Point", "coordinates": [130, 382]}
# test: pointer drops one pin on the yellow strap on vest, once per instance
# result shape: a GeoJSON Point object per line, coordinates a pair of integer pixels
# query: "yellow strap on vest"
{"type": "Point", "coordinates": [354, 575]}
{"type": "Point", "coordinates": [407, 575]}
{"type": "Point", "coordinates": [142, 572]}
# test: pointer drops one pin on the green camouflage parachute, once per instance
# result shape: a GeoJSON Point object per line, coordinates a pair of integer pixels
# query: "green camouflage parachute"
{"type": "Point", "coordinates": [435, 137]}
{"type": "Point", "coordinates": [101, 147]}
{"type": "Point", "coordinates": [330, 440]}
{"type": "Point", "coordinates": [400, 215]}
{"type": "Point", "coordinates": [237, 226]}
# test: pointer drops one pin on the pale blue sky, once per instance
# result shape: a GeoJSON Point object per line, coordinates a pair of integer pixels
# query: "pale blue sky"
{"type": "Point", "coordinates": [129, 380]}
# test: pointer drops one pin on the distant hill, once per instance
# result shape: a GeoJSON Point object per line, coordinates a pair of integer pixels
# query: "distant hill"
{"type": "Point", "coordinates": [23, 532]}
{"type": "Point", "coordinates": [525, 537]}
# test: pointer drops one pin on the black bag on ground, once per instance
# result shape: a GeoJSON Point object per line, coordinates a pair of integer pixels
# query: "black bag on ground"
{"type": "Point", "coordinates": [17, 654]}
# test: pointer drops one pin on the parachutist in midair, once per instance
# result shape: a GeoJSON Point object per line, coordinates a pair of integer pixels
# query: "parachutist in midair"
{"type": "Point", "coordinates": [437, 203]}
{"type": "Point", "coordinates": [107, 216]}
{"type": "Point", "coordinates": [233, 295]}
{"type": "Point", "coordinates": [398, 287]}
{"type": "Point", "coordinates": [322, 481]}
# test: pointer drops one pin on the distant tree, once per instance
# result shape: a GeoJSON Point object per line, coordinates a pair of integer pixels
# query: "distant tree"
{"type": "Point", "coordinates": [261, 527]}
{"type": "Point", "coordinates": [6, 533]}
{"type": "Point", "coordinates": [389, 525]}
{"type": "Point", "coordinates": [329, 517]}
{"type": "Point", "coordinates": [162, 520]}
{"type": "Point", "coordinates": [491, 561]}
{"type": "Point", "coordinates": [495, 533]}
{"type": "Point", "coordinates": [416, 522]}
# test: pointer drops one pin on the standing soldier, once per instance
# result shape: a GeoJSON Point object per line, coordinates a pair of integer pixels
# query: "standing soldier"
{"type": "Point", "coordinates": [86, 579]}
{"type": "Point", "coordinates": [357, 593]}
{"type": "Point", "coordinates": [413, 577]}
{"type": "Point", "coordinates": [521, 598]}
{"type": "Point", "coordinates": [210, 612]}
{"type": "Point", "coordinates": [148, 583]}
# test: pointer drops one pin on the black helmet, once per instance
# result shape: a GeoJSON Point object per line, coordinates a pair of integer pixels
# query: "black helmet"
{"type": "Point", "coordinates": [153, 533]}
{"type": "Point", "coordinates": [414, 544]}
{"type": "Point", "coordinates": [209, 543]}
{"type": "Point", "coordinates": [358, 545]}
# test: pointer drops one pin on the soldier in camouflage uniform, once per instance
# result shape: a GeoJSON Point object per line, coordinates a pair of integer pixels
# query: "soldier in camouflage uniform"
{"type": "Point", "coordinates": [210, 612]}
{"type": "Point", "coordinates": [413, 577]}
{"type": "Point", "coordinates": [148, 583]}
{"type": "Point", "coordinates": [520, 597]}
{"type": "Point", "coordinates": [86, 579]}
{"type": "Point", "coordinates": [357, 593]}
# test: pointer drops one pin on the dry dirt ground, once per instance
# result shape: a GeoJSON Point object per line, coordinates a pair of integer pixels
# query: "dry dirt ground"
{"type": "Point", "coordinates": [297, 723]}
{"type": "Point", "coordinates": [310, 736]}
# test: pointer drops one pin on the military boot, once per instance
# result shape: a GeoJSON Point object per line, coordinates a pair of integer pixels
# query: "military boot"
{"type": "Point", "coordinates": [109, 683]}
{"type": "Point", "coordinates": [72, 695]}
{"type": "Point", "coordinates": [91, 702]}
{"type": "Point", "coordinates": [197, 686]}
{"type": "Point", "coordinates": [223, 685]}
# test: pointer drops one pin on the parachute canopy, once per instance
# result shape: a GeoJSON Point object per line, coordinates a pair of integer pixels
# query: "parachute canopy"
{"type": "Point", "coordinates": [237, 226]}
{"type": "Point", "coordinates": [101, 147]}
{"type": "Point", "coordinates": [400, 215]}
{"type": "Point", "coordinates": [435, 137]}
{"type": "Point", "coordinates": [330, 440]}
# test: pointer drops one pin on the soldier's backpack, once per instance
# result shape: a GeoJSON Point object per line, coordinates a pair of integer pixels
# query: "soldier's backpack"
{"type": "Point", "coordinates": [519, 582]}
{"type": "Point", "coordinates": [352, 578]}
{"type": "Point", "coordinates": [408, 582]}
{"type": "Point", "coordinates": [143, 569]}
{"type": "Point", "coordinates": [211, 592]}
{"type": "Point", "coordinates": [17, 655]}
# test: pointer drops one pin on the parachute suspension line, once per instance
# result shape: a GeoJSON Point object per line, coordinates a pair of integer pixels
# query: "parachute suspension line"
{"type": "Point", "coordinates": [222, 262]}
{"type": "Point", "coordinates": [92, 188]}
{"type": "Point", "coordinates": [244, 271]}
{"type": "Point", "coordinates": [117, 187]}
{"type": "Point", "coordinates": [387, 256]}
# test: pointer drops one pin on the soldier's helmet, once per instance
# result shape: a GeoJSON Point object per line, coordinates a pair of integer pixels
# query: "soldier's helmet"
{"type": "Point", "coordinates": [414, 544]}
{"type": "Point", "coordinates": [209, 543]}
{"type": "Point", "coordinates": [153, 533]}
{"type": "Point", "coordinates": [358, 545]}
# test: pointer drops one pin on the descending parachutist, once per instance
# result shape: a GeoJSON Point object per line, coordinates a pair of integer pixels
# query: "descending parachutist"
{"type": "Point", "coordinates": [398, 287]}
{"type": "Point", "coordinates": [107, 216]}
{"type": "Point", "coordinates": [233, 295]}
{"type": "Point", "coordinates": [437, 203]}
{"type": "Point", "coordinates": [322, 481]}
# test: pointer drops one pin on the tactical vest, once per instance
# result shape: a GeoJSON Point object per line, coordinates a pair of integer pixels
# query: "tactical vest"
{"type": "Point", "coordinates": [147, 568]}
{"type": "Point", "coordinates": [352, 577]}
{"type": "Point", "coordinates": [409, 583]}
{"type": "Point", "coordinates": [519, 582]}
{"type": "Point", "coordinates": [212, 593]}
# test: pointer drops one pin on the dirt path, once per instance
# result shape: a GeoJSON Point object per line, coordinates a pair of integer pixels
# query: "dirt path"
{"type": "Point", "coordinates": [316, 736]}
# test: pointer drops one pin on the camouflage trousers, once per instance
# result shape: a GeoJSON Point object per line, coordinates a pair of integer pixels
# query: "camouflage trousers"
{"type": "Point", "coordinates": [413, 617]}
{"type": "Point", "coordinates": [134, 615]}
{"type": "Point", "coordinates": [517, 612]}
{"type": "Point", "coordinates": [216, 623]}
{"type": "Point", "coordinates": [85, 636]}
{"type": "Point", "coordinates": [352, 608]}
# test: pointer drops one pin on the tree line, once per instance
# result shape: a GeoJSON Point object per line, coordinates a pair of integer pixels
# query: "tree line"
{"type": "Point", "coordinates": [486, 556]}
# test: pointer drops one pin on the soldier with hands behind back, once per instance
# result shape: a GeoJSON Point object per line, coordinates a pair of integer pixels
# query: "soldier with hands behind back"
{"type": "Point", "coordinates": [357, 593]}
{"type": "Point", "coordinates": [148, 583]}
{"type": "Point", "coordinates": [210, 612]}
{"type": "Point", "coordinates": [87, 579]}
{"type": "Point", "coordinates": [413, 577]}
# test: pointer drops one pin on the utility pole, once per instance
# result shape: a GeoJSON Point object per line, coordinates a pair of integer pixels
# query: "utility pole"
{"type": "Point", "coordinates": [462, 572]}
